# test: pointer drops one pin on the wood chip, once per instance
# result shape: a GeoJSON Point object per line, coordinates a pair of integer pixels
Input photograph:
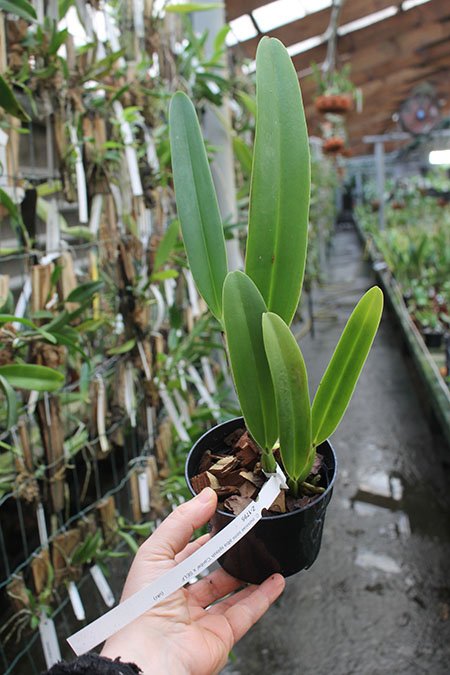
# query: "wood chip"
{"type": "Point", "coordinates": [224, 466]}
{"type": "Point", "coordinates": [232, 478]}
{"type": "Point", "coordinates": [204, 479]}
{"type": "Point", "coordinates": [279, 505]}
{"type": "Point", "coordinates": [225, 491]}
{"type": "Point", "coordinates": [246, 441]}
{"type": "Point", "coordinates": [247, 457]}
{"type": "Point", "coordinates": [205, 462]}
{"type": "Point", "coordinates": [254, 478]}
{"type": "Point", "coordinates": [234, 437]}
{"type": "Point", "coordinates": [236, 504]}
{"type": "Point", "coordinates": [248, 489]}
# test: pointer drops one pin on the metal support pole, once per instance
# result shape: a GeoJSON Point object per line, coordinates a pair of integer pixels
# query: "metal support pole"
{"type": "Point", "coordinates": [359, 190]}
{"type": "Point", "coordinates": [216, 125]}
{"type": "Point", "coordinates": [380, 172]}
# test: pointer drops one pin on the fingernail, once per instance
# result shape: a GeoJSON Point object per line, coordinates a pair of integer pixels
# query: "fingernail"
{"type": "Point", "coordinates": [279, 580]}
{"type": "Point", "coordinates": [206, 495]}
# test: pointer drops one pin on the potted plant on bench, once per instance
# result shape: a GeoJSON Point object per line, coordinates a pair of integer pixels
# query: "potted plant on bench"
{"type": "Point", "coordinates": [255, 308]}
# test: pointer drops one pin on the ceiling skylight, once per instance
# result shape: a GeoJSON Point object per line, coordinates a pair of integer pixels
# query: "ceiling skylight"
{"type": "Point", "coordinates": [312, 6]}
{"type": "Point", "coordinates": [305, 45]}
{"type": "Point", "coordinates": [242, 29]}
{"type": "Point", "coordinates": [409, 4]}
{"type": "Point", "coordinates": [281, 12]}
{"type": "Point", "coordinates": [278, 13]}
{"type": "Point", "coordinates": [367, 20]}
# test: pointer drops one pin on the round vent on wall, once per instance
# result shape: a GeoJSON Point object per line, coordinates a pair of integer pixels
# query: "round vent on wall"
{"type": "Point", "coordinates": [419, 113]}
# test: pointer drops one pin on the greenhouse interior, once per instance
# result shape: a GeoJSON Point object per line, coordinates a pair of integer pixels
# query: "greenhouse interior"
{"type": "Point", "coordinates": [225, 272]}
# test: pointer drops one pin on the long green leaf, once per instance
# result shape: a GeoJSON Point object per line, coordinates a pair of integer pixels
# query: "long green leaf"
{"type": "Point", "coordinates": [84, 292]}
{"type": "Point", "coordinates": [11, 402]}
{"type": "Point", "coordinates": [339, 380]}
{"type": "Point", "coordinates": [21, 8]}
{"type": "Point", "coordinates": [243, 155]}
{"type": "Point", "coordinates": [10, 318]}
{"type": "Point", "coordinates": [243, 307]}
{"type": "Point", "coordinates": [290, 382]}
{"type": "Point", "coordinates": [197, 203]}
{"type": "Point", "coordinates": [188, 7]}
{"type": "Point", "coordinates": [279, 197]}
{"type": "Point", "coordinates": [166, 245]}
{"type": "Point", "coordinates": [9, 103]}
{"type": "Point", "coordinates": [29, 376]}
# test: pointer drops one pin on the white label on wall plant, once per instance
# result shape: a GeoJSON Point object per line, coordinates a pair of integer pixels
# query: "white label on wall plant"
{"type": "Point", "coordinates": [203, 391]}
{"type": "Point", "coordinates": [182, 407]}
{"type": "Point", "coordinates": [80, 176]}
{"type": "Point", "coordinates": [208, 373]}
{"type": "Point", "coordinates": [173, 414]}
{"type": "Point", "coordinates": [103, 587]}
{"type": "Point", "coordinates": [130, 397]}
{"type": "Point", "coordinates": [49, 641]}
{"type": "Point", "coordinates": [145, 365]}
{"type": "Point", "coordinates": [161, 307]}
{"type": "Point", "coordinates": [42, 525]}
{"type": "Point", "coordinates": [192, 292]}
{"type": "Point", "coordinates": [96, 214]}
{"type": "Point", "coordinates": [4, 138]}
{"type": "Point", "coordinates": [52, 231]}
{"type": "Point", "coordinates": [75, 600]}
{"type": "Point", "coordinates": [102, 628]}
{"type": "Point", "coordinates": [130, 152]}
{"type": "Point", "coordinates": [101, 413]}
{"type": "Point", "coordinates": [144, 492]}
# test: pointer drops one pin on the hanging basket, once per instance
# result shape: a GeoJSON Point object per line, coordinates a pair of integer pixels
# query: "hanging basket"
{"type": "Point", "coordinates": [338, 104]}
{"type": "Point", "coordinates": [333, 145]}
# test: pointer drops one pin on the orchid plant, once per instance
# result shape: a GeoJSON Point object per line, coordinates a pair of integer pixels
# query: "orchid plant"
{"type": "Point", "coordinates": [256, 306]}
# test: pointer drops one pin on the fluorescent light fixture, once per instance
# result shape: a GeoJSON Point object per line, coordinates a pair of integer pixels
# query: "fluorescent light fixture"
{"type": "Point", "coordinates": [312, 6]}
{"type": "Point", "coordinates": [277, 14]}
{"type": "Point", "coordinates": [367, 20]}
{"type": "Point", "coordinates": [243, 28]}
{"type": "Point", "coordinates": [409, 4]}
{"type": "Point", "coordinates": [439, 157]}
{"type": "Point", "coordinates": [305, 45]}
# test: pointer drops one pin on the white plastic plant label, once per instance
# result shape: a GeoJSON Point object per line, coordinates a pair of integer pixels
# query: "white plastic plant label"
{"type": "Point", "coordinates": [203, 391]}
{"type": "Point", "coordinates": [75, 601]}
{"type": "Point", "coordinates": [103, 587]}
{"type": "Point", "coordinates": [144, 492]}
{"type": "Point", "coordinates": [42, 525]}
{"type": "Point", "coordinates": [80, 177]}
{"type": "Point", "coordinates": [49, 641]}
{"type": "Point", "coordinates": [102, 628]}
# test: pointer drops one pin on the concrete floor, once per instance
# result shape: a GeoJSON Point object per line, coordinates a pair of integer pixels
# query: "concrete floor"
{"type": "Point", "coordinates": [377, 600]}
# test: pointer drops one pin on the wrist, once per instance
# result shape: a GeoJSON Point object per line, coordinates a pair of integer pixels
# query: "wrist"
{"type": "Point", "coordinates": [152, 658]}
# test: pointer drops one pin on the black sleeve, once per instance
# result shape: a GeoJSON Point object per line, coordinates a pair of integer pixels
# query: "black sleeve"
{"type": "Point", "coordinates": [92, 664]}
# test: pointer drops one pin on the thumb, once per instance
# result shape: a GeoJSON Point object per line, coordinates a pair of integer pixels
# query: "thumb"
{"type": "Point", "coordinates": [177, 529]}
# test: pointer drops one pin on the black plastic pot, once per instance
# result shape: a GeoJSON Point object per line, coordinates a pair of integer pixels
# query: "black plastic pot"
{"type": "Point", "coordinates": [432, 338]}
{"type": "Point", "coordinates": [284, 543]}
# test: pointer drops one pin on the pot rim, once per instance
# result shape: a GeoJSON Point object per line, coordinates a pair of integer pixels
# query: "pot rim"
{"type": "Point", "coordinates": [278, 516]}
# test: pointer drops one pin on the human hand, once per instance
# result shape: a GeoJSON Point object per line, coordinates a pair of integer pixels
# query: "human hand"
{"type": "Point", "coordinates": [186, 634]}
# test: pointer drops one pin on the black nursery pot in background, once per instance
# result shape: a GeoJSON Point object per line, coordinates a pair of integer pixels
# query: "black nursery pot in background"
{"type": "Point", "coordinates": [284, 543]}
